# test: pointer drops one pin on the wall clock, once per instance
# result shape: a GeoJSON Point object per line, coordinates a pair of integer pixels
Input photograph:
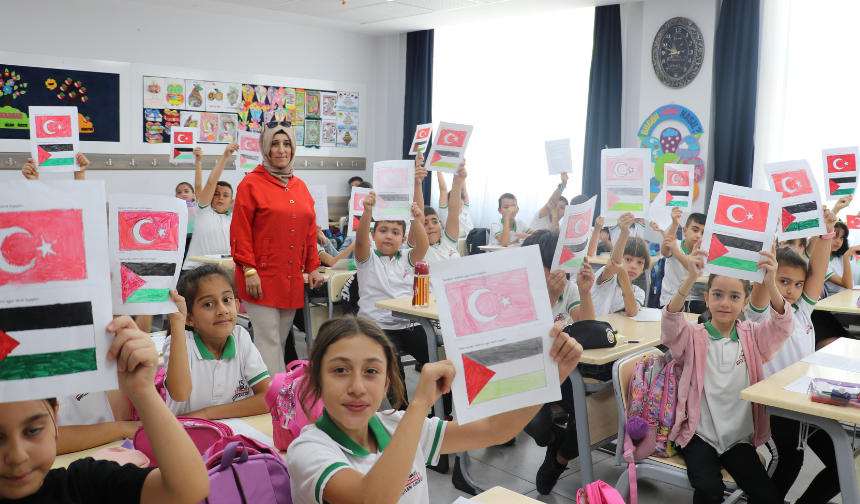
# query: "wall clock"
{"type": "Point", "coordinates": [677, 52]}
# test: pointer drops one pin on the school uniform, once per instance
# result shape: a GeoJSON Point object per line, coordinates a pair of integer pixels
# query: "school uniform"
{"type": "Point", "coordinates": [464, 218]}
{"type": "Point", "coordinates": [84, 409]}
{"type": "Point", "coordinates": [539, 222]}
{"type": "Point", "coordinates": [444, 249]}
{"type": "Point", "coordinates": [673, 272]}
{"type": "Point", "coordinates": [211, 235]}
{"type": "Point", "coordinates": [637, 230]}
{"type": "Point", "coordinates": [89, 480]}
{"type": "Point", "coordinates": [607, 296]}
{"type": "Point", "coordinates": [566, 302]}
{"type": "Point", "coordinates": [218, 381]}
{"type": "Point", "coordinates": [323, 449]}
{"type": "Point", "coordinates": [499, 225]}
{"type": "Point", "coordinates": [834, 267]}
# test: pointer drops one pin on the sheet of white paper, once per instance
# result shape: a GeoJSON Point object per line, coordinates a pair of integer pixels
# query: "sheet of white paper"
{"type": "Point", "coordinates": [328, 105]}
{"type": "Point", "coordinates": [183, 141]}
{"type": "Point", "coordinates": [660, 213]}
{"type": "Point", "coordinates": [232, 96]}
{"type": "Point", "coordinates": [55, 235]}
{"type": "Point", "coordinates": [147, 241]}
{"type": "Point", "coordinates": [394, 183]}
{"type": "Point", "coordinates": [318, 193]}
{"type": "Point", "coordinates": [356, 208]}
{"type": "Point", "coordinates": [463, 500]}
{"type": "Point", "coordinates": [800, 385]}
{"type": "Point", "coordinates": [833, 361]}
{"type": "Point", "coordinates": [802, 214]}
{"type": "Point", "coordinates": [249, 151]}
{"type": "Point", "coordinates": [558, 157]}
{"type": "Point", "coordinates": [342, 264]}
{"type": "Point", "coordinates": [624, 183]}
{"type": "Point", "coordinates": [54, 138]}
{"type": "Point", "coordinates": [423, 132]}
{"type": "Point", "coordinates": [495, 317]}
{"type": "Point", "coordinates": [213, 96]}
{"type": "Point", "coordinates": [574, 234]}
{"type": "Point", "coordinates": [159, 340]}
{"type": "Point", "coordinates": [648, 315]}
{"type": "Point", "coordinates": [194, 91]}
{"type": "Point", "coordinates": [240, 427]}
{"type": "Point", "coordinates": [449, 147]}
{"type": "Point", "coordinates": [741, 223]}
{"type": "Point", "coordinates": [678, 186]}
{"type": "Point", "coordinates": [155, 92]}
{"type": "Point", "coordinates": [840, 171]}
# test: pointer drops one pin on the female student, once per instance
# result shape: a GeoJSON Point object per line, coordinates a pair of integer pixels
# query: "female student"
{"type": "Point", "coordinates": [714, 427]}
{"type": "Point", "coordinates": [613, 290]}
{"type": "Point", "coordinates": [29, 436]}
{"type": "Point", "coordinates": [355, 454]}
{"type": "Point", "coordinates": [211, 367]}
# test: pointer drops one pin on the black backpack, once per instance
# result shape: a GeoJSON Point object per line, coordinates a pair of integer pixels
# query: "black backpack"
{"type": "Point", "coordinates": [478, 237]}
{"type": "Point", "coordinates": [349, 296]}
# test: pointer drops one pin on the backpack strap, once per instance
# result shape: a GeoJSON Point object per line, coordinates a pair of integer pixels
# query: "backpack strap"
{"type": "Point", "coordinates": [255, 483]}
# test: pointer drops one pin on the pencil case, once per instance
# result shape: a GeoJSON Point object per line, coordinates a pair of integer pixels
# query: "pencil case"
{"type": "Point", "coordinates": [838, 393]}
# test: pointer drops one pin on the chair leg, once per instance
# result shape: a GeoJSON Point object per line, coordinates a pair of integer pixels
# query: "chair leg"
{"type": "Point", "coordinates": [734, 497]}
{"type": "Point", "coordinates": [623, 484]}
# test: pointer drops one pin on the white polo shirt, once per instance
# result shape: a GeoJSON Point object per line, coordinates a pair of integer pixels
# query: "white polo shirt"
{"type": "Point", "coordinates": [323, 449]}
{"type": "Point", "coordinates": [465, 219]}
{"type": "Point", "coordinates": [834, 267]}
{"type": "Point", "coordinates": [636, 230]}
{"type": "Point", "coordinates": [607, 296]}
{"type": "Point", "coordinates": [444, 249]}
{"type": "Point", "coordinates": [566, 302]}
{"type": "Point", "coordinates": [802, 341]}
{"type": "Point", "coordinates": [381, 278]}
{"type": "Point", "coordinates": [218, 381]}
{"type": "Point", "coordinates": [211, 235]}
{"type": "Point", "coordinates": [539, 222]}
{"type": "Point", "coordinates": [84, 409]}
{"type": "Point", "coordinates": [497, 227]}
{"type": "Point", "coordinates": [672, 275]}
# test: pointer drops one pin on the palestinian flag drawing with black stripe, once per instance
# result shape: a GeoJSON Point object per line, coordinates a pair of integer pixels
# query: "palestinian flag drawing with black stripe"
{"type": "Point", "coordinates": [841, 186]}
{"type": "Point", "coordinates": [47, 340]}
{"type": "Point", "coordinates": [56, 154]}
{"type": "Point", "coordinates": [734, 252]}
{"type": "Point", "coordinates": [445, 159]}
{"type": "Point", "coordinates": [800, 216]}
{"type": "Point", "coordinates": [672, 202]}
{"type": "Point", "coordinates": [504, 370]}
{"type": "Point", "coordinates": [568, 254]}
{"type": "Point", "coordinates": [145, 282]}
{"type": "Point", "coordinates": [624, 199]}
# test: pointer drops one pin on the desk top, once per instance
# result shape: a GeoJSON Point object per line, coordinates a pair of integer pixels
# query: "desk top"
{"type": "Point", "coordinates": [841, 302]}
{"type": "Point", "coordinates": [770, 392]}
{"type": "Point", "coordinates": [501, 495]}
{"type": "Point", "coordinates": [404, 305]}
{"type": "Point", "coordinates": [646, 333]}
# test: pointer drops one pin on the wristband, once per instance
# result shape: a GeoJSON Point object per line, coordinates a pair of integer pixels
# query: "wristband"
{"type": "Point", "coordinates": [685, 295]}
{"type": "Point", "coordinates": [250, 272]}
{"type": "Point", "coordinates": [561, 187]}
{"type": "Point", "coordinates": [828, 236]}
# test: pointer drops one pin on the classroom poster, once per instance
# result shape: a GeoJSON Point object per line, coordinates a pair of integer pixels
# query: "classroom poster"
{"type": "Point", "coordinates": [329, 133]}
{"type": "Point", "coordinates": [213, 96]}
{"type": "Point", "coordinates": [175, 93]}
{"type": "Point", "coordinates": [228, 125]}
{"type": "Point", "coordinates": [54, 138]}
{"type": "Point", "coordinates": [154, 92]}
{"type": "Point", "coordinates": [840, 171]}
{"type": "Point", "coordinates": [449, 147]}
{"type": "Point", "coordinates": [624, 183]}
{"type": "Point", "coordinates": [328, 104]}
{"type": "Point", "coordinates": [312, 133]}
{"type": "Point", "coordinates": [347, 101]}
{"type": "Point", "coordinates": [347, 129]}
{"type": "Point", "coordinates": [194, 90]}
{"type": "Point", "coordinates": [574, 235]}
{"type": "Point", "coordinates": [802, 213]}
{"type": "Point", "coordinates": [54, 290]}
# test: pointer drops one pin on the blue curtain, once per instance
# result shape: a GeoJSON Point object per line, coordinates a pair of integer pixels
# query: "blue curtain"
{"type": "Point", "coordinates": [735, 84]}
{"type": "Point", "coordinates": [418, 106]}
{"type": "Point", "coordinates": [603, 124]}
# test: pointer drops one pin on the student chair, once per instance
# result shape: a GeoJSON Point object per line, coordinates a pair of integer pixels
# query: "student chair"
{"type": "Point", "coordinates": [668, 470]}
{"type": "Point", "coordinates": [462, 248]}
{"type": "Point", "coordinates": [335, 285]}
{"type": "Point", "coordinates": [342, 225]}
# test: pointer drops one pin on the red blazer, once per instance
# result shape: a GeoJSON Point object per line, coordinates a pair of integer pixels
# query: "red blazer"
{"type": "Point", "coordinates": [274, 230]}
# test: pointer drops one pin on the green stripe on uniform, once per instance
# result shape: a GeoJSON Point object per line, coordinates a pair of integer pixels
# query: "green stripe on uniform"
{"type": "Point", "coordinates": [801, 225]}
{"type": "Point", "coordinates": [149, 296]}
{"type": "Point", "coordinates": [435, 442]}
{"type": "Point", "coordinates": [808, 300]}
{"type": "Point", "coordinates": [22, 367]}
{"type": "Point", "coordinates": [757, 310]}
{"type": "Point", "coordinates": [328, 470]}
{"type": "Point", "coordinates": [65, 162]}
{"type": "Point", "coordinates": [734, 263]}
{"type": "Point", "coordinates": [257, 379]}
{"type": "Point", "coordinates": [626, 207]}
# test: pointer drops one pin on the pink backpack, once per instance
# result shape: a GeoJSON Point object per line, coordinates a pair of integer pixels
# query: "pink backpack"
{"type": "Point", "coordinates": [212, 456]}
{"type": "Point", "coordinates": [241, 477]}
{"type": "Point", "coordinates": [203, 432]}
{"type": "Point", "coordinates": [598, 492]}
{"type": "Point", "coordinates": [282, 399]}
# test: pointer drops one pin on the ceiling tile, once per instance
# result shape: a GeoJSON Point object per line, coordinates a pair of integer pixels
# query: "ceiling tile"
{"type": "Point", "coordinates": [320, 7]}
{"type": "Point", "coordinates": [378, 12]}
{"type": "Point", "coordinates": [439, 5]}
{"type": "Point", "coordinates": [256, 3]}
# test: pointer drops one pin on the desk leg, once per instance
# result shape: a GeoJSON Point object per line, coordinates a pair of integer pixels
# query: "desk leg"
{"type": "Point", "coordinates": [433, 352]}
{"type": "Point", "coordinates": [841, 445]}
{"type": "Point", "coordinates": [580, 411]}
{"type": "Point", "coordinates": [306, 310]}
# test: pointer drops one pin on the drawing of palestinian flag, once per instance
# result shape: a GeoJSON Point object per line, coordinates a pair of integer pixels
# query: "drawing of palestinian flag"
{"type": "Point", "coordinates": [800, 216]}
{"type": "Point", "coordinates": [571, 255]}
{"type": "Point", "coordinates": [248, 161]}
{"type": "Point", "coordinates": [60, 154]}
{"type": "Point", "coordinates": [396, 204]}
{"type": "Point", "coordinates": [734, 252]}
{"type": "Point", "coordinates": [48, 340]}
{"type": "Point", "coordinates": [504, 370]}
{"type": "Point", "coordinates": [445, 159]}
{"type": "Point", "coordinates": [841, 186]}
{"type": "Point", "coordinates": [146, 282]}
{"type": "Point", "coordinates": [355, 221]}
{"type": "Point", "coordinates": [624, 199]}
{"type": "Point", "coordinates": [671, 201]}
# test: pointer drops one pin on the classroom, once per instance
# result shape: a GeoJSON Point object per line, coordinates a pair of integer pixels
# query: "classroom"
{"type": "Point", "coordinates": [650, 260]}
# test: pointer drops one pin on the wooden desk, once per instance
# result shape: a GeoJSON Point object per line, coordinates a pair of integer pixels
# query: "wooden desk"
{"type": "Point", "coordinates": [781, 402]}
{"type": "Point", "coordinates": [841, 302]}
{"type": "Point", "coordinates": [225, 262]}
{"type": "Point", "coordinates": [646, 333]}
{"type": "Point", "coordinates": [501, 495]}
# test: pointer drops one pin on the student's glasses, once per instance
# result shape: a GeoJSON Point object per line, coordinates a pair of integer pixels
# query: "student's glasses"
{"type": "Point", "coordinates": [286, 124]}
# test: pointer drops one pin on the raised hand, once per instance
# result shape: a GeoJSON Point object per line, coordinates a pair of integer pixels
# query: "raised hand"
{"type": "Point", "coordinates": [625, 221]}
{"type": "Point", "coordinates": [369, 201]}
{"type": "Point", "coordinates": [419, 160]}
{"type": "Point", "coordinates": [830, 220]}
{"type": "Point", "coordinates": [181, 309]}
{"type": "Point", "coordinates": [585, 277]}
{"type": "Point", "coordinates": [768, 262]}
{"type": "Point", "coordinates": [231, 149]}
{"type": "Point", "coordinates": [555, 284]}
{"type": "Point", "coordinates": [697, 260]}
{"type": "Point", "coordinates": [29, 170]}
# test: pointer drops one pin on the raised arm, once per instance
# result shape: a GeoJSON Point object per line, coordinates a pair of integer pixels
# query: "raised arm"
{"type": "Point", "coordinates": [843, 203]}
{"type": "Point", "coordinates": [417, 231]}
{"type": "Point", "coordinates": [595, 237]}
{"type": "Point", "coordinates": [455, 203]}
{"type": "Point", "coordinates": [204, 196]}
{"type": "Point", "coordinates": [178, 375]}
{"type": "Point", "coordinates": [198, 173]}
{"type": "Point", "coordinates": [818, 261]}
{"type": "Point", "coordinates": [553, 198]}
{"type": "Point", "coordinates": [362, 234]}
{"type": "Point", "coordinates": [418, 199]}
{"type": "Point", "coordinates": [769, 264]}
{"type": "Point", "coordinates": [617, 255]}
{"type": "Point", "coordinates": [465, 191]}
{"type": "Point", "coordinates": [443, 187]}
{"type": "Point", "coordinates": [694, 268]}
{"type": "Point", "coordinates": [584, 282]}
{"type": "Point", "coordinates": [669, 247]}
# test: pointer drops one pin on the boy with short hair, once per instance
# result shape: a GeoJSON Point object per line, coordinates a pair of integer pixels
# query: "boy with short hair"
{"type": "Point", "coordinates": [551, 213]}
{"type": "Point", "coordinates": [465, 219]}
{"type": "Point", "coordinates": [637, 230]}
{"type": "Point", "coordinates": [677, 254]}
{"type": "Point", "coordinates": [212, 217]}
{"type": "Point", "coordinates": [355, 181]}
{"type": "Point", "coordinates": [508, 229]}
{"type": "Point", "coordinates": [443, 242]}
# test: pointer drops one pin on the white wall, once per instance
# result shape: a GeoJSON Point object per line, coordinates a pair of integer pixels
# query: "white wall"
{"type": "Point", "coordinates": [160, 35]}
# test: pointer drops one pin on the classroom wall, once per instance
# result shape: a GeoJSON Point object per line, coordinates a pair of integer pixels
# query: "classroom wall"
{"type": "Point", "coordinates": [156, 34]}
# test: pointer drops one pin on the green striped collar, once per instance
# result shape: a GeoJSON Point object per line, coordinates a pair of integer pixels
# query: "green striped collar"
{"type": "Point", "coordinates": [683, 248]}
{"type": "Point", "coordinates": [205, 354]}
{"type": "Point", "coordinates": [327, 425]}
{"type": "Point", "coordinates": [713, 333]}
{"type": "Point", "coordinates": [380, 254]}
{"type": "Point", "coordinates": [502, 220]}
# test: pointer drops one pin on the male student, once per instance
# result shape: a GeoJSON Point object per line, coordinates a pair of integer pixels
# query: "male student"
{"type": "Point", "coordinates": [551, 213]}
{"type": "Point", "coordinates": [677, 254]}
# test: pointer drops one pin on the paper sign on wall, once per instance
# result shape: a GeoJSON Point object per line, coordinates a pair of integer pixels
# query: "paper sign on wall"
{"type": "Point", "coordinates": [741, 223]}
{"type": "Point", "coordinates": [183, 141]}
{"type": "Point", "coordinates": [319, 194]}
{"type": "Point", "coordinates": [54, 138]}
{"type": "Point", "coordinates": [496, 318]}
{"type": "Point", "coordinates": [574, 234]}
{"type": "Point", "coordinates": [147, 242]}
{"type": "Point", "coordinates": [624, 175]}
{"type": "Point", "coordinates": [249, 156]}
{"type": "Point", "coordinates": [558, 157]}
{"type": "Point", "coordinates": [422, 137]}
{"type": "Point", "coordinates": [356, 208]}
{"type": "Point", "coordinates": [802, 214]}
{"type": "Point", "coordinates": [394, 183]}
{"type": "Point", "coordinates": [449, 147]}
{"type": "Point", "coordinates": [54, 290]}
{"type": "Point", "coordinates": [840, 171]}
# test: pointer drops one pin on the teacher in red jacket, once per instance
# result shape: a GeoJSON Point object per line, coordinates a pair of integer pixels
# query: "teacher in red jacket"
{"type": "Point", "coordinates": [273, 239]}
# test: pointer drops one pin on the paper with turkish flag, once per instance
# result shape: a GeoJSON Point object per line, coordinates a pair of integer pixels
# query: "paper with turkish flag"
{"type": "Point", "coordinates": [356, 208]}
{"type": "Point", "coordinates": [54, 294]}
{"type": "Point", "coordinates": [249, 151]}
{"type": "Point", "coordinates": [802, 213]}
{"type": "Point", "coordinates": [394, 183]}
{"type": "Point", "coordinates": [449, 147]}
{"type": "Point", "coordinates": [147, 242]}
{"type": "Point", "coordinates": [853, 221]}
{"type": "Point", "coordinates": [575, 232]}
{"type": "Point", "coordinates": [840, 171]}
{"type": "Point", "coordinates": [741, 223]}
{"type": "Point", "coordinates": [54, 138]}
{"type": "Point", "coordinates": [624, 183]}
{"type": "Point", "coordinates": [422, 137]}
{"type": "Point", "coordinates": [495, 318]}
{"type": "Point", "coordinates": [183, 141]}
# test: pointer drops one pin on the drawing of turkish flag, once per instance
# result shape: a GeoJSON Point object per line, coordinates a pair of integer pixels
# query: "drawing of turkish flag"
{"type": "Point", "coordinates": [741, 213]}
{"type": "Point", "coordinates": [491, 302]}
{"type": "Point", "coordinates": [678, 178]}
{"type": "Point", "coordinates": [452, 138]}
{"type": "Point", "coordinates": [358, 202]}
{"type": "Point", "coordinates": [792, 183]}
{"type": "Point", "coordinates": [249, 143]}
{"type": "Point", "coordinates": [422, 133]}
{"type": "Point", "coordinates": [853, 222]}
{"type": "Point", "coordinates": [148, 231]}
{"type": "Point", "coordinates": [42, 246]}
{"type": "Point", "coordinates": [183, 138]}
{"type": "Point", "coordinates": [840, 163]}
{"type": "Point", "coordinates": [392, 178]}
{"type": "Point", "coordinates": [53, 126]}
{"type": "Point", "coordinates": [578, 225]}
